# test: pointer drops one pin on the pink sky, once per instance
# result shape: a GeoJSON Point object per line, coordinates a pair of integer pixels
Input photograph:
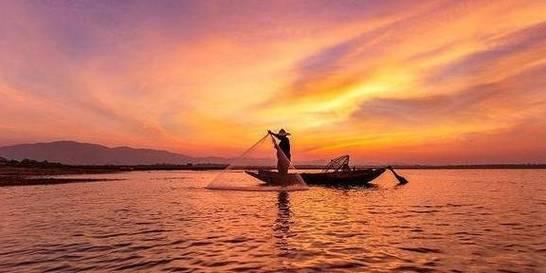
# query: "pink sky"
{"type": "Point", "coordinates": [385, 81]}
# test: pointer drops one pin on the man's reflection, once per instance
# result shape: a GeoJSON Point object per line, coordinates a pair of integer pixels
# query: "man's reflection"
{"type": "Point", "coordinates": [281, 228]}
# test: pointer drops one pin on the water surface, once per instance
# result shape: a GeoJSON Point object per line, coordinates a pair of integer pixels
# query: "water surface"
{"type": "Point", "coordinates": [443, 220]}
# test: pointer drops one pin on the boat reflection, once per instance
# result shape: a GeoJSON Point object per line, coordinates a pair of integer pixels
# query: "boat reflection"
{"type": "Point", "coordinates": [349, 188]}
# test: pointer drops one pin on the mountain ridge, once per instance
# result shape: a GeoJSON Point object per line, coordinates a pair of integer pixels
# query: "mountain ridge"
{"type": "Point", "coordinates": [81, 153]}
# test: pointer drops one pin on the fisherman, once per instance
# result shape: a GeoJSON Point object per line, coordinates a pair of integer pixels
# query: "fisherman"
{"type": "Point", "coordinates": [283, 150]}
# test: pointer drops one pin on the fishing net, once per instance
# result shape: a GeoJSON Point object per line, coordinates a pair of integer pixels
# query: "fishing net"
{"type": "Point", "coordinates": [337, 164]}
{"type": "Point", "coordinates": [257, 169]}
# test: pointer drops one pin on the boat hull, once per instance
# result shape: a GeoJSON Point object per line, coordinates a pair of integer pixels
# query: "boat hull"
{"type": "Point", "coordinates": [341, 178]}
{"type": "Point", "coordinates": [275, 179]}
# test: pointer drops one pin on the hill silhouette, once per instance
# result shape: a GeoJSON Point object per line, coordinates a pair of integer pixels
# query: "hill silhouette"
{"type": "Point", "coordinates": [76, 153]}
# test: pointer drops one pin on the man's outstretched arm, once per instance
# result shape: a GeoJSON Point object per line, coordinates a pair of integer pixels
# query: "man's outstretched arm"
{"type": "Point", "coordinates": [273, 134]}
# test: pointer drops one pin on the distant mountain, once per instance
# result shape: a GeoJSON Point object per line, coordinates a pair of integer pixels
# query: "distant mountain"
{"type": "Point", "coordinates": [75, 153]}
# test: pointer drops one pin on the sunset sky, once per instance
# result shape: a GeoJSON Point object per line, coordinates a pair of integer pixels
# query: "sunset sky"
{"type": "Point", "coordinates": [386, 81]}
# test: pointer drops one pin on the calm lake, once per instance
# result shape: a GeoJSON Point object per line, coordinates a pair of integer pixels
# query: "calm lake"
{"type": "Point", "coordinates": [443, 220]}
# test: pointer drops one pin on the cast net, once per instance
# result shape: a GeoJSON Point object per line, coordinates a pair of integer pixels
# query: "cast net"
{"type": "Point", "coordinates": [257, 169]}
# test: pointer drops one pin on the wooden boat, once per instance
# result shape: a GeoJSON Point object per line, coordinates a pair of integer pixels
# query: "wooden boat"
{"type": "Point", "coordinates": [339, 178]}
{"type": "Point", "coordinates": [336, 173]}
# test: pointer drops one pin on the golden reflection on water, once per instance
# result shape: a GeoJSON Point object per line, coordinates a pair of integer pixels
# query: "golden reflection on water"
{"type": "Point", "coordinates": [474, 220]}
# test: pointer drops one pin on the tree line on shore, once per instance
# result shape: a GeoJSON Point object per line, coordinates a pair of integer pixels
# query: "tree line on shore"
{"type": "Point", "coordinates": [28, 163]}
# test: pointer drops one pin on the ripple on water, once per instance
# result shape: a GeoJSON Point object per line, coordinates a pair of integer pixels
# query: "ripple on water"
{"type": "Point", "coordinates": [166, 221]}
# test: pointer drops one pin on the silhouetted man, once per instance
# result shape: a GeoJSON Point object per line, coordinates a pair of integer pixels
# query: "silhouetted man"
{"type": "Point", "coordinates": [283, 150]}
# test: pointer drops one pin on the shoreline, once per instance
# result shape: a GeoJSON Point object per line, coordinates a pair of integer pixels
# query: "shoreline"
{"type": "Point", "coordinates": [59, 169]}
{"type": "Point", "coordinates": [41, 174]}
{"type": "Point", "coordinates": [14, 181]}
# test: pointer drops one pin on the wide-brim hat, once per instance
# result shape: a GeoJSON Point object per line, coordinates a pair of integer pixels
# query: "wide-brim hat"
{"type": "Point", "coordinates": [283, 132]}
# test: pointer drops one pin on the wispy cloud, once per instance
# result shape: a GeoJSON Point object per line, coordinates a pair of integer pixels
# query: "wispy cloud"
{"type": "Point", "coordinates": [209, 77]}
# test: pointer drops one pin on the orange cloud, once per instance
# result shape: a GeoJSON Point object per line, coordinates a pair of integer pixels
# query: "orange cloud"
{"type": "Point", "coordinates": [209, 78]}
